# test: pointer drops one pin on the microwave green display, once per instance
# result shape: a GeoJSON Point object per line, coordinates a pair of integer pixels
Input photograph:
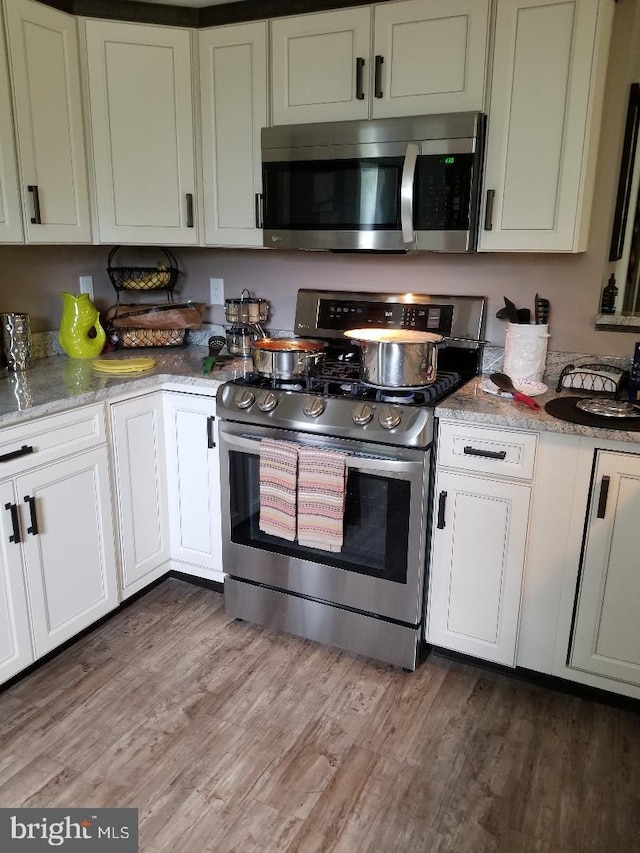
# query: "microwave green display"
{"type": "Point", "coordinates": [449, 161]}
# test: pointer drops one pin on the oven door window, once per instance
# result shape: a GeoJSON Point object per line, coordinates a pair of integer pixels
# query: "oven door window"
{"type": "Point", "coordinates": [350, 195]}
{"type": "Point", "coordinates": [376, 521]}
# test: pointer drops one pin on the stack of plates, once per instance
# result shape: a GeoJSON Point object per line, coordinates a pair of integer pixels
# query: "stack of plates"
{"type": "Point", "coordinates": [123, 366]}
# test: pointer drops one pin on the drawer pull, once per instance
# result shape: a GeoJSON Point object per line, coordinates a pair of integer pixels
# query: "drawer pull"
{"type": "Point", "coordinates": [25, 450]}
{"type": "Point", "coordinates": [604, 494]}
{"type": "Point", "coordinates": [33, 529]}
{"type": "Point", "coordinates": [210, 440]}
{"type": "Point", "coordinates": [13, 509]}
{"type": "Point", "coordinates": [442, 503]}
{"type": "Point", "coordinates": [485, 454]}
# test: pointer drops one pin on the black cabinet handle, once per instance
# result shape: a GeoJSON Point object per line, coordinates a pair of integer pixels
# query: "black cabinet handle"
{"type": "Point", "coordinates": [189, 210]}
{"type": "Point", "coordinates": [442, 502]}
{"type": "Point", "coordinates": [258, 203]}
{"type": "Point", "coordinates": [13, 509]}
{"type": "Point", "coordinates": [25, 450]}
{"type": "Point", "coordinates": [359, 69]}
{"type": "Point", "coordinates": [210, 439]}
{"type": "Point", "coordinates": [33, 529]}
{"type": "Point", "coordinates": [36, 219]}
{"type": "Point", "coordinates": [604, 494]}
{"type": "Point", "coordinates": [377, 85]}
{"type": "Point", "coordinates": [488, 211]}
{"type": "Point", "coordinates": [486, 454]}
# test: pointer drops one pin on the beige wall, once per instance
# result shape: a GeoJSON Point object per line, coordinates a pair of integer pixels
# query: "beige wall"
{"type": "Point", "coordinates": [31, 278]}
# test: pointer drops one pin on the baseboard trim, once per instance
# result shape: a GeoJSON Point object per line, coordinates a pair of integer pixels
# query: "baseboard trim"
{"type": "Point", "coordinates": [552, 682]}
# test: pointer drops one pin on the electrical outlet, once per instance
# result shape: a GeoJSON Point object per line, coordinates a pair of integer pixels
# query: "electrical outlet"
{"type": "Point", "coordinates": [86, 285]}
{"type": "Point", "coordinates": [216, 290]}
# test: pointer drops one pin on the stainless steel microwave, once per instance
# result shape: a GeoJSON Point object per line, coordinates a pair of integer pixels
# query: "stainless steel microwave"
{"type": "Point", "coordinates": [391, 185]}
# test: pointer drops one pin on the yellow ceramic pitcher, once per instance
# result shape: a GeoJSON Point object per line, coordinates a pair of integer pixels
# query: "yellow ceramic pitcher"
{"type": "Point", "coordinates": [81, 335]}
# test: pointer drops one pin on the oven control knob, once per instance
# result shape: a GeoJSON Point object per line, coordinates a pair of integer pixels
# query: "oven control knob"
{"type": "Point", "coordinates": [362, 414]}
{"type": "Point", "coordinates": [245, 399]}
{"type": "Point", "coordinates": [267, 401]}
{"type": "Point", "coordinates": [389, 417]}
{"type": "Point", "coordinates": [314, 407]}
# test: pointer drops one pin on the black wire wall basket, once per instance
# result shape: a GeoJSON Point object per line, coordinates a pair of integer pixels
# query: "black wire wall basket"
{"type": "Point", "coordinates": [144, 278]}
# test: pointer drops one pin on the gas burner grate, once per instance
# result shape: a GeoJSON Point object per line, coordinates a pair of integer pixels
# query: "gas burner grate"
{"type": "Point", "coordinates": [344, 382]}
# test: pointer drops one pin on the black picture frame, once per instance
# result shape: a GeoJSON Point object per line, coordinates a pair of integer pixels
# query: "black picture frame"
{"type": "Point", "coordinates": [623, 199]}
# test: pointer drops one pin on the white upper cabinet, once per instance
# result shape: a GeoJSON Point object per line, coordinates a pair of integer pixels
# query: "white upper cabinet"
{"type": "Point", "coordinates": [422, 56]}
{"type": "Point", "coordinates": [10, 216]}
{"type": "Point", "coordinates": [320, 66]}
{"type": "Point", "coordinates": [544, 118]}
{"type": "Point", "coordinates": [45, 70]}
{"type": "Point", "coordinates": [233, 91]}
{"type": "Point", "coordinates": [142, 132]}
{"type": "Point", "coordinates": [430, 56]}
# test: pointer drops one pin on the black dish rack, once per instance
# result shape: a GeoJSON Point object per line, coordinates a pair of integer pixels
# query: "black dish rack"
{"type": "Point", "coordinates": [142, 279]}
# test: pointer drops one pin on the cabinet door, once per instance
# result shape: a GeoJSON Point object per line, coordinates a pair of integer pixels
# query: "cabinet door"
{"type": "Point", "coordinates": [10, 212]}
{"type": "Point", "coordinates": [546, 99]}
{"type": "Point", "coordinates": [68, 546]}
{"type": "Point", "coordinates": [194, 484]}
{"type": "Point", "coordinates": [15, 636]}
{"type": "Point", "coordinates": [141, 489]}
{"type": "Point", "coordinates": [45, 68]}
{"type": "Point", "coordinates": [429, 56]}
{"type": "Point", "coordinates": [142, 132]}
{"type": "Point", "coordinates": [606, 637]}
{"type": "Point", "coordinates": [233, 90]}
{"type": "Point", "coordinates": [320, 66]}
{"type": "Point", "coordinates": [477, 565]}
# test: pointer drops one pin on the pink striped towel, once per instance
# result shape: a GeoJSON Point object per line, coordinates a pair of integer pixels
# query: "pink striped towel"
{"type": "Point", "coordinates": [321, 493]}
{"type": "Point", "coordinates": [278, 478]}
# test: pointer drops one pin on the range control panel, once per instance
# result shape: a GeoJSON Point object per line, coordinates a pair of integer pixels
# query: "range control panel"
{"type": "Point", "coordinates": [342, 314]}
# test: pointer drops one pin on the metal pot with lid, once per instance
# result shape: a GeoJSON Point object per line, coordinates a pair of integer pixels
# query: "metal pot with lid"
{"type": "Point", "coordinates": [247, 310]}
{"type": "Point", "coordinates": [286, 358]}
{"type": "Point", "coordinates": [396, 358]}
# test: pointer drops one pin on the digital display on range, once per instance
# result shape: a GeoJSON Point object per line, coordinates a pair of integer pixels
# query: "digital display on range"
{"type": "Point", "coordinates": [341, 315]}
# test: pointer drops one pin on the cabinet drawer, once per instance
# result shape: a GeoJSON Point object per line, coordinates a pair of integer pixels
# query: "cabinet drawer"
{"type": "Point", "coordinates": [44, 440]}
{"type": "Point", "coordinates": [487, 450]}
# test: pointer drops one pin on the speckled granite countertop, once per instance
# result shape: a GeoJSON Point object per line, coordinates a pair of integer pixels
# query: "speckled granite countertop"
{"type": "Point", "coordinates": [58, 383]}
{"type": "Point", "coordinates": [471, 403]}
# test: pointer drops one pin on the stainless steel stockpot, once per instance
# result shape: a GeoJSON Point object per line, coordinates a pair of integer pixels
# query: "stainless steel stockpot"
{"type": "Point", "coordinates": [286, 358]}
{"type": "Point", "coordinates": [397, 358]}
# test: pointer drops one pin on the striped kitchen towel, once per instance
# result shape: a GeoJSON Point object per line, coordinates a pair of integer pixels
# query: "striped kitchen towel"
{"type": "Point", "coordinates": [321, 492]}
{"type": "Point", "coordinates": [278, 477]}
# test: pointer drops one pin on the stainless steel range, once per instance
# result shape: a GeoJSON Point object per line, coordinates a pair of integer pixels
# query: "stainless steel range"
{"type": "Point", "coordinates": [367, 596]}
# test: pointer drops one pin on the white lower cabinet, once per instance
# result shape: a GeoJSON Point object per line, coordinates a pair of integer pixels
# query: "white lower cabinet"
{"type": "Point", "coordinates": [194, 485]}
{"type": "Point", "coordinates": [606, 638]}
{"type": "Point", "coordinates": [58, 571]}
{"type": "Point", "coordinates": [480, 524]}
{"type": "Point", "coordinates": [141, 490]}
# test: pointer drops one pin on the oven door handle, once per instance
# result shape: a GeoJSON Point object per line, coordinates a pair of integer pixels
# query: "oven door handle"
{"type": "Point", "coordinates": [361, 463]}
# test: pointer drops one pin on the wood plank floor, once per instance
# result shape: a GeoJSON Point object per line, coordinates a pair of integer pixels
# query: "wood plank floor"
{"type": "Point", "coordinates": [228, 737]}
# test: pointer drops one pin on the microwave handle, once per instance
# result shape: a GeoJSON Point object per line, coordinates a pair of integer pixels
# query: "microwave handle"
{"type": "Point", "coordinates": [406, 192]}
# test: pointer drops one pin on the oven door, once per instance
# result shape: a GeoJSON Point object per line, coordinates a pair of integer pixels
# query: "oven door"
{"type": "Point", "coordinates": [380, 569]}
